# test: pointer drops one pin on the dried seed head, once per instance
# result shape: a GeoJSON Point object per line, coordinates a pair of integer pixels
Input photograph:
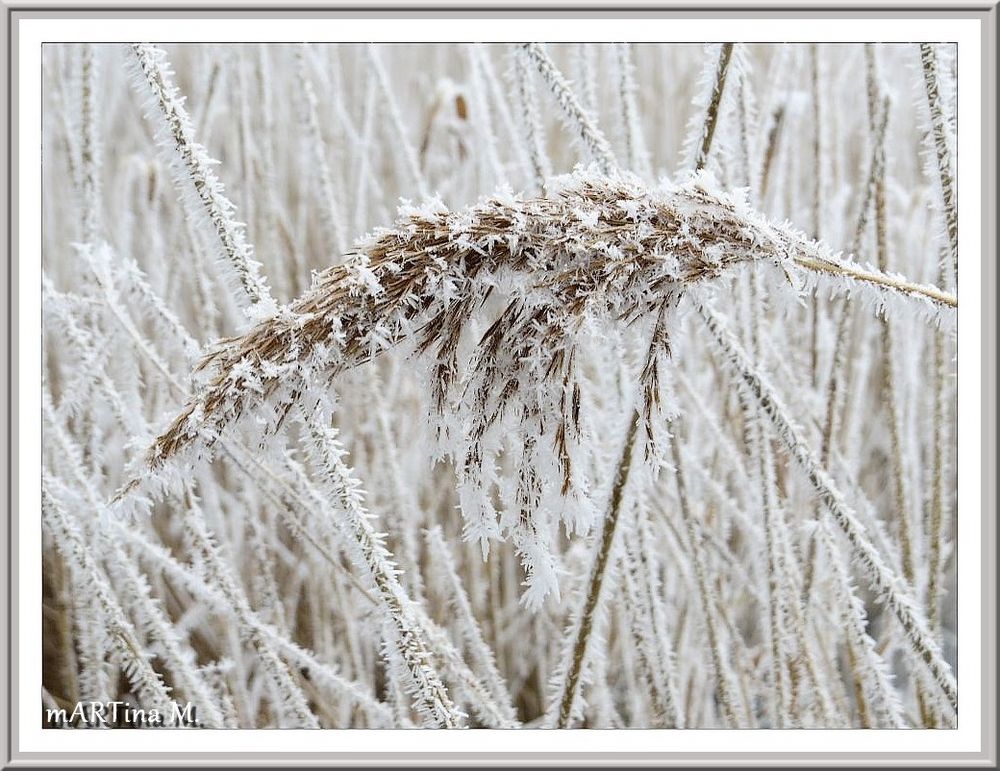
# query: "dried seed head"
{"type": "Point", "coordinates": [554, 272]}
{"type": "Point", "coordinates": [594, 248]}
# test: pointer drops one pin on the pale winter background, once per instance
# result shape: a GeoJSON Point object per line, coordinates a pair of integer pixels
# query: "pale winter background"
{"type": "Point", "coordinates": [501, 386]}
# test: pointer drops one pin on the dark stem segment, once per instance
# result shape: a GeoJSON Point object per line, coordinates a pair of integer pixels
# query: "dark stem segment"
{"type": "Point", "coordinates": [597, 574]}
{"type": "Point", "coordinates": [712, 116]}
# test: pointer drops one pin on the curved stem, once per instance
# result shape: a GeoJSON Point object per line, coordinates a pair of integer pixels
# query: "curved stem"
{"type": "Point", "coordinates": [850, 270]}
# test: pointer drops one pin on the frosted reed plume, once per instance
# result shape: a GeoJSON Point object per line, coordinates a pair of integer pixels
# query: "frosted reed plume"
{"type": "Point", "coordinates": [597, 248]}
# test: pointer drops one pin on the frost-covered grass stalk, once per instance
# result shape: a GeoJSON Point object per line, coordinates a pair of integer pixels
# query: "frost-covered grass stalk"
{"type": "Point", "coordinates": [191, 167]}
{"type": "Point", "coordinates": [943, 144]}
{"type": "Point", "coordinates": [537, 403]}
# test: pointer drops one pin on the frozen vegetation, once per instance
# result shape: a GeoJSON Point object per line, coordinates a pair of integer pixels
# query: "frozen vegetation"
{"type": "Point", "coordinates": [501, 386]}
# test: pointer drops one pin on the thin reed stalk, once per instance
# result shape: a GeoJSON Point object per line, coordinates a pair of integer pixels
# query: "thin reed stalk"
{"type": "Point", "coordinates": [942, 140]}
{"type": "Point", "coordinates": [200, 189]}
